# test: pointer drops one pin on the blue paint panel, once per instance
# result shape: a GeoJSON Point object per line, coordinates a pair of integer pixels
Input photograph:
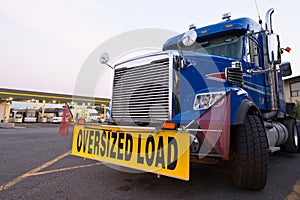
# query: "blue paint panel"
{"type": "Point", "coordinates": [237, 96]}
{"type": "Point", "coordinates": [236, 24]}
{"type": "Point", "coordinates": [194, 80]}
{"type": "Point", "coordinates": [256, 88]}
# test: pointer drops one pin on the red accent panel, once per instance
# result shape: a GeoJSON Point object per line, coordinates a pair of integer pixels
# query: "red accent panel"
{"type": "Point", "coordinates": [217, 121]}
{"type": "Point", "coordinates": [220, 75]}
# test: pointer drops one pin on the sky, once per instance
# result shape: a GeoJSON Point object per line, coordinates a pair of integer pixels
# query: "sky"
{"type": "Point", "coordinates": [44, 45]}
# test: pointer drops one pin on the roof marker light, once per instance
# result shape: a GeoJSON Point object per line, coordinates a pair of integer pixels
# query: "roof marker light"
{"type": "Point", "coordinates": [229, 25]}
{"type": "Point", "coordinates": [226, 16]}
{"type": "Point", "coordinates": [192, 26]}
{"type": "Point", "coordinates": [204, 31]}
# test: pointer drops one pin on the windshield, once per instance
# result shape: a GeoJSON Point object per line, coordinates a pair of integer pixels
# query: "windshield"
{"type": "Point", "coordinates": [223, 45]}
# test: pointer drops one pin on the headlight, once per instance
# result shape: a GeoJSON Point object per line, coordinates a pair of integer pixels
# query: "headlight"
{"type": "Point", "coordinates": [206, 100]}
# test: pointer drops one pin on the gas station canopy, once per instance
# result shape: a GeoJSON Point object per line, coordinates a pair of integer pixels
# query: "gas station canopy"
{"type": "Point", "coordinates": [25, 95]}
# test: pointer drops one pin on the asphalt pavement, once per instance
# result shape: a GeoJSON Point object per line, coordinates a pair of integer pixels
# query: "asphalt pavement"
{"type": "Point", "coordinates": [35, 163]}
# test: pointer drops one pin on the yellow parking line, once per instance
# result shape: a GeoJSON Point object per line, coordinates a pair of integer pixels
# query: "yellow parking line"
{"type": "Point", "coordinates": [29, 173]}
{"type": "Point", "coordinates": [65, 169]}
{"type": "Point", "coordinates": [295, 194]}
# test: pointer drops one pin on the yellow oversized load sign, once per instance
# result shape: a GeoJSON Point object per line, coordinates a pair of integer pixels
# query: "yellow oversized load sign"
{"type": "Point", "coordinates": [165, 152]}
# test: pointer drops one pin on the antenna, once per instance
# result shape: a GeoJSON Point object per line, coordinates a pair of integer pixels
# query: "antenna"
{"type": "Point", "coordinates": [257, 10]}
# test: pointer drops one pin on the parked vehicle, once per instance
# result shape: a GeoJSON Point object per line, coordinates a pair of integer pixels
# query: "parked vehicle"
{"type": "Point", "coordinates": [214, 93]}
{"type": "Point", "coordinates": [52, 115]}
{"type": "Point", "coordinates": [24, 115]}
{"type": "Point", "coordinates": [90, 114]}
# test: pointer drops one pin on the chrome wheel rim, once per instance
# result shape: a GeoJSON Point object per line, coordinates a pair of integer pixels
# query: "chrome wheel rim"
{"type": "Point", "coordinates": [295, 136]}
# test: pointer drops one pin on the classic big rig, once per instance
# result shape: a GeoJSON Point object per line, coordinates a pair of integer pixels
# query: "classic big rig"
{"type": "Point", "coordinates": [213, 93]}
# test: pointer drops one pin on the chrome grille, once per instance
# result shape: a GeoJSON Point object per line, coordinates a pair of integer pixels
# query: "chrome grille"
{"type": "Point", "coordinates": [141, 91]}
{"type": "Point", "coordinates": [234, 75]}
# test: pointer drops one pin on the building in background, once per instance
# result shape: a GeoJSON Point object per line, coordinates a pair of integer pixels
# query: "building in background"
{"type": "Point", "coordinates": [292, 89]}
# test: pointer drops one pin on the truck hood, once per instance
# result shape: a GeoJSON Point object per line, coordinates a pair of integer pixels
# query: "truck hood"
{"type": "Point", "coordinates": [204, 73]}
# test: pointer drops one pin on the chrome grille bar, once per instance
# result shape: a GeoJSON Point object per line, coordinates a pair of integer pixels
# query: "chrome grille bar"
{"type": "Point", "coordinates": [142, 89]}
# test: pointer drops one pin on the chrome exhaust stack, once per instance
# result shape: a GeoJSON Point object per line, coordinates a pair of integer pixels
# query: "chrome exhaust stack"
{"type": "Point", "coordinates": [269, 27]}
{"type": "Point", "coordinates": [270, 61]}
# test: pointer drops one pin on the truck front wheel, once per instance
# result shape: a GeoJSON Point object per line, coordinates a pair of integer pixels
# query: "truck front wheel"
{"type": "Point", "coordinates": [249, 154]}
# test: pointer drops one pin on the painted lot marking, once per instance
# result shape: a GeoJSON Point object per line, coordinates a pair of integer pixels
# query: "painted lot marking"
{"type": "Point", "coordinates": [295, 194]}
{"type": "Point", "coordinates": [36, 171]}
{"type": "Point", "coordinates": [65, 169]}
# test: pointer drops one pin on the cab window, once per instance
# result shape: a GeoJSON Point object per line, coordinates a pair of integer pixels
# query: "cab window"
{"type": "Point", "coordinates": [253, 51]}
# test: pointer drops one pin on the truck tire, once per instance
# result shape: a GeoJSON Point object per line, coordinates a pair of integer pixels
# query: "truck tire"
{"type": "Point", "coordinates": [292, 143]}
{"type": "Point", "coordinates": [298, 136]}
{"type": "Point", "coordinates": [250, 154]}
{"type": "Point", "coordinates": [298, 129]}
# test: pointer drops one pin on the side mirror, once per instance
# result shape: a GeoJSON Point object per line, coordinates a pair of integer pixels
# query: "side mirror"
{"type": "Point", "coordinates": [274, 50]}
{"type": "Point", "coordinates": [285, 69]}
{"type": "Point", "coordinates": [104, 58]}
{"type": "Point", "coordinates": [189, 38]}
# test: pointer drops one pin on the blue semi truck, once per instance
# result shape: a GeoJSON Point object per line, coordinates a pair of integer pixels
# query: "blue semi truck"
{"type": "Point", "coordinates": [212, 94]}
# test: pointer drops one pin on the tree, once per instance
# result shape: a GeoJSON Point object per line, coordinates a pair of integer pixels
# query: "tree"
{"type": "Point", "coordinates": [297, 110]}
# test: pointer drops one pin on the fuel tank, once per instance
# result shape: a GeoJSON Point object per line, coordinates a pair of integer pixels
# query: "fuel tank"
{"type": "Point", "coordinates": [277, 134]}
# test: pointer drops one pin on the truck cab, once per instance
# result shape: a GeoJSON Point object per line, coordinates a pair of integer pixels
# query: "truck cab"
{"type": "Point", "coordinates": [219, 85]}
{"type": "Point", "coordinates": [239, 43]}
